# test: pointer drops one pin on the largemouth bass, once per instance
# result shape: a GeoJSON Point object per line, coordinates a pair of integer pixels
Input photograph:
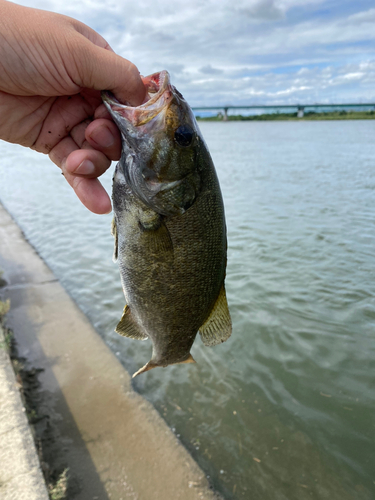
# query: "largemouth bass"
{"type": "Point", "coordinates": [169, 227]}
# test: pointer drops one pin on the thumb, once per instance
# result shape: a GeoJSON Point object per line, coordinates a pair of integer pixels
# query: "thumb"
{"type": "Point", "coordinates": [98, 67]}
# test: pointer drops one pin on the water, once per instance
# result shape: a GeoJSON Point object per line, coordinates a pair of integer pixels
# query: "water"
{"type": "Point", "coordinates": [284, 409]}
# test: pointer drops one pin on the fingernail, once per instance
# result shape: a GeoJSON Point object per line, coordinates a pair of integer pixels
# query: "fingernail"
{"type": "Point", "coordinates": [103, 137]}
{"type": "Point", "coordinates": [85, 168]}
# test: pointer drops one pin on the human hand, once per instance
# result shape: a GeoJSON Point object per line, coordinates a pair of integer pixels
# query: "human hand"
{"type": "Point", "coordinates": [52, 69]}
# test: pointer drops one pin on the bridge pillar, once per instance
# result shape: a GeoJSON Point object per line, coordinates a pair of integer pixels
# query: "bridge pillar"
{"type": "Point", "coordinates": [300, 112]}
{"type": "Point", "coordinates": [225, 118]}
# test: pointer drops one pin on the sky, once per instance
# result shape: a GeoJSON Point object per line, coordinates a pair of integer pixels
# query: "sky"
{"type": "Point", "coordinates": [237, 52]}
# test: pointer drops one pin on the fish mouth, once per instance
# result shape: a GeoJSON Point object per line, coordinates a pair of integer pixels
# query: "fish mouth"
{"type": "Point", "coordinates": [160, 92]}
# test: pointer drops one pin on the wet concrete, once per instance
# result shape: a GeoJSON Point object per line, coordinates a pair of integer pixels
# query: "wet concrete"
{"type": "Point", "coordinates": [114, 442]}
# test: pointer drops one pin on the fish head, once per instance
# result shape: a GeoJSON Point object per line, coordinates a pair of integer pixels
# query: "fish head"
{"type": "Point", "coordinates": [160, 146]}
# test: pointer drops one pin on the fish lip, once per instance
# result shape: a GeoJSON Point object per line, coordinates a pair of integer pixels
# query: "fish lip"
{"type": "Point", "coordinates": [142, 114]}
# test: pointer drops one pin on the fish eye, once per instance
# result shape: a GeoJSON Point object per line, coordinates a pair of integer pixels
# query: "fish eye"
{"type": "Point", "coordinates": [184, 135]}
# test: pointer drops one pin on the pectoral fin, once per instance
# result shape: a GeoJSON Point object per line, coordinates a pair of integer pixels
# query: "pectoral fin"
{"type": "Point", "coordinates": [128, 327]}
{"type": "Point", "coordinates": [218, 327]}
{"type": "Point", "coordinates": [156, 236]}
{"type": "Point", "coordinates": [114, 234]}
{"type": "Point", "coordinates": [159, 241]}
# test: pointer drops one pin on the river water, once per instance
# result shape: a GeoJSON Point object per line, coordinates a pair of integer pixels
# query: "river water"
{"type": "Point", "coordinates": [285, 408]}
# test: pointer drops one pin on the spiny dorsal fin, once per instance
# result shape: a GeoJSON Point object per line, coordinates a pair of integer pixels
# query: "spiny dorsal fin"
{"type": "Point", "coordinates": [128, 327]}
{"type": "Point", "coordinates": [114, 234]}
{"type": "Point", "coordinates": [218, 327]}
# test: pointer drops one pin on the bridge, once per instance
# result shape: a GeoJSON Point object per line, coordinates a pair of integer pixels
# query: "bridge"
{"type": "Point", "coordinates": [299, 107]}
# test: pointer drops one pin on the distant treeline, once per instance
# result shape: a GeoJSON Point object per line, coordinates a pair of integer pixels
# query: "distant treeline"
{"type": "Point", "coordinates": [308, 115]}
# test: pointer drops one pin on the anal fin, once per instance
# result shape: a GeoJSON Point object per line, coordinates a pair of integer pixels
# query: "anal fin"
{"type": "Point", "coordinates": [218, 326]}
{"type": "Point", "coordinates": [189, 359]}
{"type": "Point", "coordinates": [151, 364]}
{"type": "Point", "coordinates": [127, 327]}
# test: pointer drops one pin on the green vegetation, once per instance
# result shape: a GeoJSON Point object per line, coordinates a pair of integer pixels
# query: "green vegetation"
{"type": "Point", "coordinates": [58, 491]}
{"type": "Point", "coordinates": [6, 335]}
{"type": "Point", "coordinates": [4, 307]}
{"type": "Point", "coordinates": [309, 115]}
{"type": "Point", "coordinates": [7, 342]}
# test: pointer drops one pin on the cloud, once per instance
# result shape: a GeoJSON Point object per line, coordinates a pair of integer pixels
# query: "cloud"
{"type": "Point", "coordinates": [220, 51]}
{"type": "Point", "coordinates": [360, 18]}
{"type": "Point", "coordinates": [264, 10]}
{"type": "Point", "coordinates": [209, 70]}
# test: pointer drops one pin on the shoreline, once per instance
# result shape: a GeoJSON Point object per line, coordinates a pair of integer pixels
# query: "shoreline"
{"type": "Point", "coordinates": [112, 442]}
{"type": "Point", "coordinates": [20, 466]}
{"type": "Point", "coordinates": [308, 116]}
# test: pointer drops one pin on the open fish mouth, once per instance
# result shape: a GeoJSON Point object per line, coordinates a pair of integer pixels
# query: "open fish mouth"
{"type": "Point", "coordinates": [160, 93]}
{"type": "Point", "coordinates": [159, 146]}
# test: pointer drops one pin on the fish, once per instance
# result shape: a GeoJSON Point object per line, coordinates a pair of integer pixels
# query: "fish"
{"type": "Point", "coordinates": [169, 227]}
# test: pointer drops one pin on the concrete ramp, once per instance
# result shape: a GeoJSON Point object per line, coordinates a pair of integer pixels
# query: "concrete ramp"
{"type": "Point", "coordinates": [114, 443]}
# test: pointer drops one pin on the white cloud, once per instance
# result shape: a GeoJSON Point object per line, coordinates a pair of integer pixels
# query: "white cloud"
{"type": "Point", "coordinates": [364, 17]}
{"type": "Point", "coordinates": [219, 50]}
{"type": "Point", "coordinates": [354, 76]}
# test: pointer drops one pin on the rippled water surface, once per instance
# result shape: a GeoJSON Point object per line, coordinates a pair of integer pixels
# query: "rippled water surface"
{"type": "Point", "coordinates": [284, 409]}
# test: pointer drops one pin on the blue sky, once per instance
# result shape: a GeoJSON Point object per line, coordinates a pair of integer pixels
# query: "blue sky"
{"type": "Point", "coordinates": [242, 52]}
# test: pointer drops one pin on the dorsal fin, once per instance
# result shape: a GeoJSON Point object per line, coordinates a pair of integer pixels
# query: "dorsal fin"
{"type": "Point", "coordinates": [218, 326]}
{"type": "Point", "coordinates": [114, 234]}
{"type": "Point", "coordinates": [128, 327]}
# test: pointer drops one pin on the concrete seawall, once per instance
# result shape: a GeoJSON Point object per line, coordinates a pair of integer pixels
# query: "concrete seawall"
{"type": "Point", "coordinates": [113, 441]}
{"type": "Point", "coordinates": [20, 474]}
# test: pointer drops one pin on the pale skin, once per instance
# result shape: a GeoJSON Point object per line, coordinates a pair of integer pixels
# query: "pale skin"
{"type": "Point", "coordinates": [52, 69]}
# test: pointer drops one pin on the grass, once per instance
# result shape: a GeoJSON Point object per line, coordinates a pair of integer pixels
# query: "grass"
{"type": "Point", "coordinates": [58, 490]}
{"type": "Point", "coordinates": [8, 334]}
{"type": "Point", "coordinates": [4, 307]}
{"type": "Point", "coordinates": [7, 342]}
